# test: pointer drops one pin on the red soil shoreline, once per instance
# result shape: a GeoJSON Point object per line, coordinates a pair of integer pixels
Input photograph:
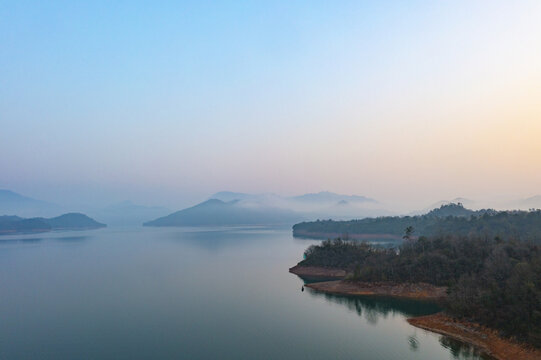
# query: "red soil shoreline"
{"type": "Point", "coordinates": [420, 291]}
{"type": "Point", "coordinates": [318, 272]}
{"type": "Point", "coordinates": [324, 235]}
{"type": "Point", "coordinates": [487, 340]}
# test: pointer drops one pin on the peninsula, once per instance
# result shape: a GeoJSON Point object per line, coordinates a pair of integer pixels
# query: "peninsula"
{"type": "Point", "coordinates": [490, 289]}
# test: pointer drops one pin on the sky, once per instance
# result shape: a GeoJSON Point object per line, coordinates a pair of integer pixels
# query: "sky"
{"type": "Point", "coordinates": [165, 103]}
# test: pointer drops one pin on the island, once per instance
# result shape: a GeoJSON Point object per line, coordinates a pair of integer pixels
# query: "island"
{"type": "Point", "coordinates": [488, 287]}
{"type": "Point", "coordinates": [70, 221]}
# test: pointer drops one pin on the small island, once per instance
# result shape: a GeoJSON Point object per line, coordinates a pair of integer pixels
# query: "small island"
{"type": "Point", "coordinates": [489, 287]}
{"type": "Point", "coordinates": [70, 221]}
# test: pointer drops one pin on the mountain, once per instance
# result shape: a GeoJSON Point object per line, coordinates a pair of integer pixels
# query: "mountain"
{"type": "Point", "coordinates": [329, 197]}
{"type": "Point", "coordinates": [451, 210]}
{"type": "Point", "coordinates": [533, 202]}
{"type": "Point", "coordinates": [230, 196]}
{"type": "Point", "coordinates": [13, 203]}
{"type": "Point", "coordinates": [233, 208]}
{"type": "Point", "coordinates": [216, 212]}
{"type": "Point", "coordinates": [71, 221]}
{"type": "Point", "coordinates": [128, 213]}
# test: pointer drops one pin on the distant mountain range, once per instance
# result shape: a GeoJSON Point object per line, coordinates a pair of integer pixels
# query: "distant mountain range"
{"type": "Point", "coordinates": [216, 212]}
{"type": "Point", "coordinates": [529, 203]}
{"type": "Point", "coordinates": [13, 203]}
{"type": "Point", "coordinates": [234, 208]}
{"type": "Point", "coordinates": [123, 213]}
{"type": "Point", "coordinates": [332, 198]}
{"type": "Point", "coordinates": [72, 221]}
{"type": "Point", "coordinates": [230, 208]}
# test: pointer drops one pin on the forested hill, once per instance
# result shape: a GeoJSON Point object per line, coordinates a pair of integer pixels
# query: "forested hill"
{"type": "Point", "coordinates": [448, 219]}
{"type": "Point", "coordinates": [70, 221]}
{"type": "Point", "coordinates": [491, 281]}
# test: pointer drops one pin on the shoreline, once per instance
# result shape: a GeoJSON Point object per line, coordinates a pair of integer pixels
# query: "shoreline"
{"type": "Point", "coordinates": [316, 272]}
{"type": "Point", "coordinates": [485, 339]}
{"type": "Point", "coordinates": [351, 236]}
{"type": "Point", "coordinates": [418, 291]}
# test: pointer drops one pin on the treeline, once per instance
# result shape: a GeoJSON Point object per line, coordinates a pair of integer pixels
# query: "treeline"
{"type": "Point", "coordinates": [449, 219]}
{"type": "Point", "coordinates": [491, 281]}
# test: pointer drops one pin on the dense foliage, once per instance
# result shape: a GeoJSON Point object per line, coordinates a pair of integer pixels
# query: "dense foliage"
{"type": "Point", "coordinates": [494, 282]}
{"type": "Point", "coordinates": [449, 219]}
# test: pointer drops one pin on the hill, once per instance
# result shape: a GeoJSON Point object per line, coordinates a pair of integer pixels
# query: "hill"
{"type": "Point", "coordinates": [453, 209]}
{"type": "Point", "coordinates": [216, 212]}
{"type": "Point", "coordinates": [231, 208]}
{"type": "Point", "coordinates": [491, 281]}
{"type": "Point", "coordinates": [71, 221]}
{"type": "Point", "coordinates": [448, 219]}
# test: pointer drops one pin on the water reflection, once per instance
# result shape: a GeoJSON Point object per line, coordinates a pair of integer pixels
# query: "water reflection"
{"type": "Point", "coordinates": [413, 342]}
{"type": "Point", "coordinates": [34, 240]}
{"type": "Point", "coordinates": [72, 238]}
{"type": "Point", "coordinates": [21, 240]}
{"type": "Point", "coordinates": [373, 307]}
{"type": "Point", "coordinates": [461, 350]}
{"type": "Point", "coordinates": [217, 239]}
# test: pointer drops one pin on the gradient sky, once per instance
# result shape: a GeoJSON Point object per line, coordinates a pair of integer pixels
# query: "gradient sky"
{"type": "Point", "coordinates": [403, 101]}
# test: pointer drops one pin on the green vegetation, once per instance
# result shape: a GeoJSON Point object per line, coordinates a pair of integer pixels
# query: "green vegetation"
{"type": "Point", "coordinates": [492, 281]}
{"type": "Point", "coordinates": [448, 219]}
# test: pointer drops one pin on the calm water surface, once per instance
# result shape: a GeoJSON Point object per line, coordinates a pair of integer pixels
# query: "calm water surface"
{"type": "Point", "coordinates": [142, 293]}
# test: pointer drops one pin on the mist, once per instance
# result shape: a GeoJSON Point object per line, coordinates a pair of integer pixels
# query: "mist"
{"type": "Point", "coordinates": [166, 110]}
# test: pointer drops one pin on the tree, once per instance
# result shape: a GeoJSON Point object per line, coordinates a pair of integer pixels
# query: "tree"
{"type": "Point", "coordinates": [408, 233]}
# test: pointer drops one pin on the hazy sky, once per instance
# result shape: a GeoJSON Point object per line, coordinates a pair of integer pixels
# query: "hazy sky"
{"type": "Point", "coordinates": [406, 101]}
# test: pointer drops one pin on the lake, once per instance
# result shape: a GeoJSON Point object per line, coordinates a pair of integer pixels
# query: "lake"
{"type": "Point", "coordinates": [186, 293]}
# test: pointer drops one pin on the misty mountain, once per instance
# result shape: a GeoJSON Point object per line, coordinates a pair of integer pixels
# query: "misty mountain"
{"type": "Point", "coordinates": [216, 212]}
{"type": "Point", "coordinates": [533, 202]}
{"type": "Point", "coordinates": [330, 198]}
{"type": "Point", "coordinates": [13, 203]}
{"type": "Point", "coordinates": [227, 196]}
{"type": "Point", "coordinates": [70, 221]}
{"type": "Point", "coordinates": [128, 213]}
{"type": "Point", "coordinates": [231, 208]}
{"type": "Point", "coordinates": [344, 210]}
